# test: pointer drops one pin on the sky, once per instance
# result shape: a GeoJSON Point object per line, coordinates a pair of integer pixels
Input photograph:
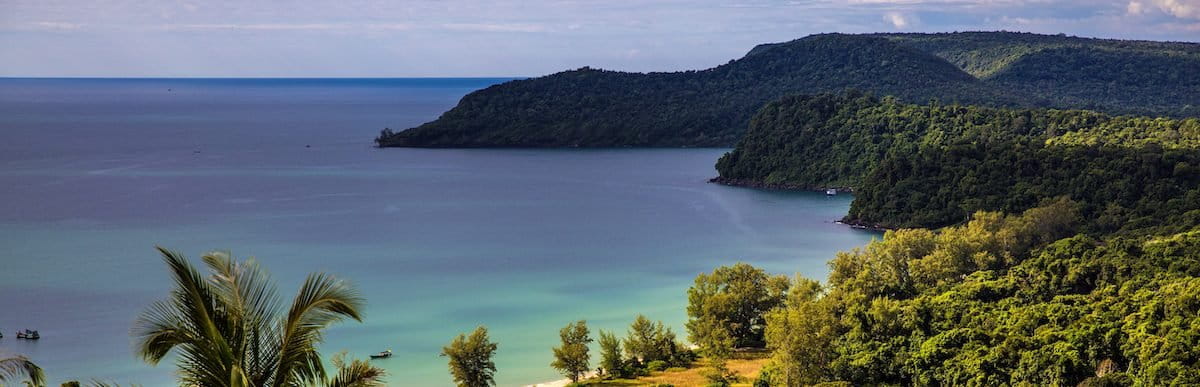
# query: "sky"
{"type": "Point", "coordinates": [465, 38]}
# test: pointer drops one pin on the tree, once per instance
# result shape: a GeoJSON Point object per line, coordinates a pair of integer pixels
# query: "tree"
{"type": "Point", "coordinates": [800, 337]}
{"type": "Point", "coordinates": [229, 329]}
{"type": "Point", "coordinates": [13, 367]}
{"type": "Point", "coordinates": [572, 358]}
{"type": "Point", "coordinates": [610, 354]}
{"type": "Point", "coordinates": [648, 341]}
{"type": "Point", "coordinates": [733, 299]}
{"type": "Point", "coordinates": [470, 357]}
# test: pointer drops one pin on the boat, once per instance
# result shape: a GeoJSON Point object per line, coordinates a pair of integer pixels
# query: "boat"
{"type": "Point", "coordinates": [382, 355]}
{"type": "Point", "coordinates": [28, 335]}
{"type": "Point", "coordinates": [831, 192]}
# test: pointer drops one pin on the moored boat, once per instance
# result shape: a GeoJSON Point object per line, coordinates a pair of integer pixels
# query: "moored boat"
{"type": "Point", "coordinates": [382, 355]}
{"type": "Point", "coordinates": [28, 335]}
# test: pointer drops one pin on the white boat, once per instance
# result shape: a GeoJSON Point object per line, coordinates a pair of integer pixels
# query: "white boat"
{"type": "Point", "coordinates": [831, 192]}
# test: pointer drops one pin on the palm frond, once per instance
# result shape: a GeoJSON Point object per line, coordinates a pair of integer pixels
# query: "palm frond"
{"type": "Point", "coordinates": [356, 373]}
{"type": "Point", "coordinates": [321, 301]}
{"type": "Point", "coordinates": [187, 321]}
{"type": "Point", "coordinates": [14, 367]}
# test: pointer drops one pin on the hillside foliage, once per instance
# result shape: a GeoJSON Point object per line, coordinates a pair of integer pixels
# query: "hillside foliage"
{"type": "Point", "coordinates": [934, 165]}
{"type": "Point", "coordinates": [597, 108]}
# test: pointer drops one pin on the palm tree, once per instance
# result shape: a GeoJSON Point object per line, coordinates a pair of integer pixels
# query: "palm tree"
{"type": "Point", "coordinates": [229, 329]}
{"type": "Point", "coordinates": [13, 367]}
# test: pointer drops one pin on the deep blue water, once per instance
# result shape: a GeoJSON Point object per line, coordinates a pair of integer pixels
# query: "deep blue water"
{"type": "Point", "coordinates": [95, 172]}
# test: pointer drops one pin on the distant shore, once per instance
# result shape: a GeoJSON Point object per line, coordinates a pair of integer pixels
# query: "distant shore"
{"type": "Point", "coordinates": [749, 183]}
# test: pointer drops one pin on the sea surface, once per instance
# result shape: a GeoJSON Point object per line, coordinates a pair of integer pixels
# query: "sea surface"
{"type": "Point", "coordinates": [95, 172]}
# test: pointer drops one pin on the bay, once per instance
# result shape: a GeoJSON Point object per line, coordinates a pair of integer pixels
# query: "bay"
{"type": "Point", "coordinates": [96, 172]}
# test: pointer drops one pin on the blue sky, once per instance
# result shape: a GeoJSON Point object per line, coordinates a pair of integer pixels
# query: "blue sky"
{"type": "Point", "coordinates": [374, 38]}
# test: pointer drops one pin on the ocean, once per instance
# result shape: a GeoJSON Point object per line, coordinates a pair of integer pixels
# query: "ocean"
{"type": "Point", "coordinates": [96, 172]}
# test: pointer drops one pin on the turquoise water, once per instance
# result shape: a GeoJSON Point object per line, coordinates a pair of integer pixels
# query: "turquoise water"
{"type": "Point", "coordinates": [97, 172]}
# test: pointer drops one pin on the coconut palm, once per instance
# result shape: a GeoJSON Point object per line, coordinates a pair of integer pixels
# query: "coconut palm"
{"type": "Point", "coordinates": [230, 328]}
{"type": "Point", "coordinates": [13, 367]}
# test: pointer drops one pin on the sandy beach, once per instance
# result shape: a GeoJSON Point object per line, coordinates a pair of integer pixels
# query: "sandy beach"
{"type": "Point", "coordinates": [561, 382]}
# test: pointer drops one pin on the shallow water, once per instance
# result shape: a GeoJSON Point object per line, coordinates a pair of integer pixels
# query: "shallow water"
{"type": "Point", "coordinates": [97, 172]}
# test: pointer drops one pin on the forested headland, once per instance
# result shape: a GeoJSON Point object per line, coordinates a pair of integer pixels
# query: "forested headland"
{"type": "Point", "coordinates": [598, 108]}
{"type": "Point", "coordinates": [934, 165]}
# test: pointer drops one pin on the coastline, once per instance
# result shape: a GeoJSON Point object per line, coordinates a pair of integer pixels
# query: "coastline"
{"type": "Point", "coordinates": [562, 382]}
{"type": "Point", "coordinates": [749, 183]}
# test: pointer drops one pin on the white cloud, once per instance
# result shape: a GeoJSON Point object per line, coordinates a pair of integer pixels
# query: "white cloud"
{"type": "Point", "coordinates": [494, 27]}
{"type": "Point", "coordinates": [1135, 8]}
{"type": "Point", "coordinates": [899, 20]}
{"type": "Point", "coordinates": [53, 25]}
{"type": "Point", "coordinates": [1184, 9]}
{"type": "Point", "coordinates": [1179, 8]}
{"type": "Point", "coordinates": [260, 27]}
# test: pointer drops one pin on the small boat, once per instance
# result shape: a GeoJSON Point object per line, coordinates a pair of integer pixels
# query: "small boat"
{"type": "Point", "coordinates": [831, 192]}
{"type": "Point", "coordinates": [382, 355]}
{"type": "Point", "coordinates": [28, 335]}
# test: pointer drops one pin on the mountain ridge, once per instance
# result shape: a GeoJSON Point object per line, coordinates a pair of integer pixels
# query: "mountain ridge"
{"type": "Point", "coordinates": [712, 107]}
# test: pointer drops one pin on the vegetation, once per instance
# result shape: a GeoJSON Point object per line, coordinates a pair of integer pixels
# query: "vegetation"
{"type": "Point", "coordinates": [612, 362]}
{"type": "Point", "coordinates": [572, 358]}
{"type": "Point", "coordinates": [16, 367]}
{"type": "Point", "coordinates": [1116, 76]}
{"type": "Point", "coordinates": [933, 165]}
{"type": "Point", "coordinates": [985, 303]}
{"type": "Point", "coordinates": [228, 328]}
{"type": "Point", "coordinates": [597, 108]}
{"type": "Point", "coordinates": [681, 377]}
{"type": "Point", "coordinates": [470, 357]}
{"type": "Point", "coordinates": [726, 307]}
{"type": "Point", "coordinates": [647, 342]}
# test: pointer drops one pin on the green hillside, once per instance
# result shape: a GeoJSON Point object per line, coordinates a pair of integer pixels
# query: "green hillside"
{"type": "Point", "coordinates": [597, 108]}
{"type": "Point", "coordinates": [588, 107]}
{"type": "Point", "coordinates": [934, 165]}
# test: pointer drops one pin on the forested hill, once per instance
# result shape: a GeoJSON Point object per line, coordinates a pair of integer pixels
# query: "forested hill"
{"type": "Point", "coordinates": [597, 108]}
{"type": "Point", "coordinates": [934, 165]}
{"type": "Point", "coordinates": [588, 107]}
{"type": "Point", "coordinates": [1116, 76]}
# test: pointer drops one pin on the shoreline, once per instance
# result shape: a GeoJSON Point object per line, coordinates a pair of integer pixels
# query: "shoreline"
{"type": "Point", "coordinates": [749, 183]}
{"type": "Point", "coordinates": [562, 382]}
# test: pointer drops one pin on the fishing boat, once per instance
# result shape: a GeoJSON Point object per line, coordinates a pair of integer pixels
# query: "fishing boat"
{"type": "Point", "coordinates": [28, 335]}
{"type": "Point", "coordinates": [382, 355]}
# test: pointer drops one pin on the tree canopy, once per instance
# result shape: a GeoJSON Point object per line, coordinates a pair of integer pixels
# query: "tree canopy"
{"type": "Point", "coordinates": [470, 359]}
{"type": "Point", "coordinates": [597, 108]}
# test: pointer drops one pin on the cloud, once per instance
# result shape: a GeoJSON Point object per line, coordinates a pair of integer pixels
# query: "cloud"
{"type": "Point", "coordinates": [1135, 8]}
{"type": "Point", "coordinates": [899, 20]}
{"type": "Point", "coordinates": [1183, 9]}
{"type": "Point", "coordinates": [50, 25]}
{"type": "Point", "coordinates": [494, 27]}
{"type": "Point", "coordinates": [1188, 9]}
{"type": "Point", "coordinates": [259, 27]}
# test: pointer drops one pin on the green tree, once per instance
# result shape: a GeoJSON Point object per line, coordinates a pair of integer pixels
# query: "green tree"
{"type": "Point", "coordinates": [572, 358]}
{"type": "Point", "coordinates": [229, 328]}
{"type": "Point", "coordinates": [15, 366]}
{"type": "Point", "coordinates": [733, 299]}
{"type": "Point", "coordinates": [470, 357]}
{"type": "Point", "coordinates": [800, 337]}
{"type": "Point", "coordinates": [648, 341]}
{"type": "Point", "coordinates": [611, 360]}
